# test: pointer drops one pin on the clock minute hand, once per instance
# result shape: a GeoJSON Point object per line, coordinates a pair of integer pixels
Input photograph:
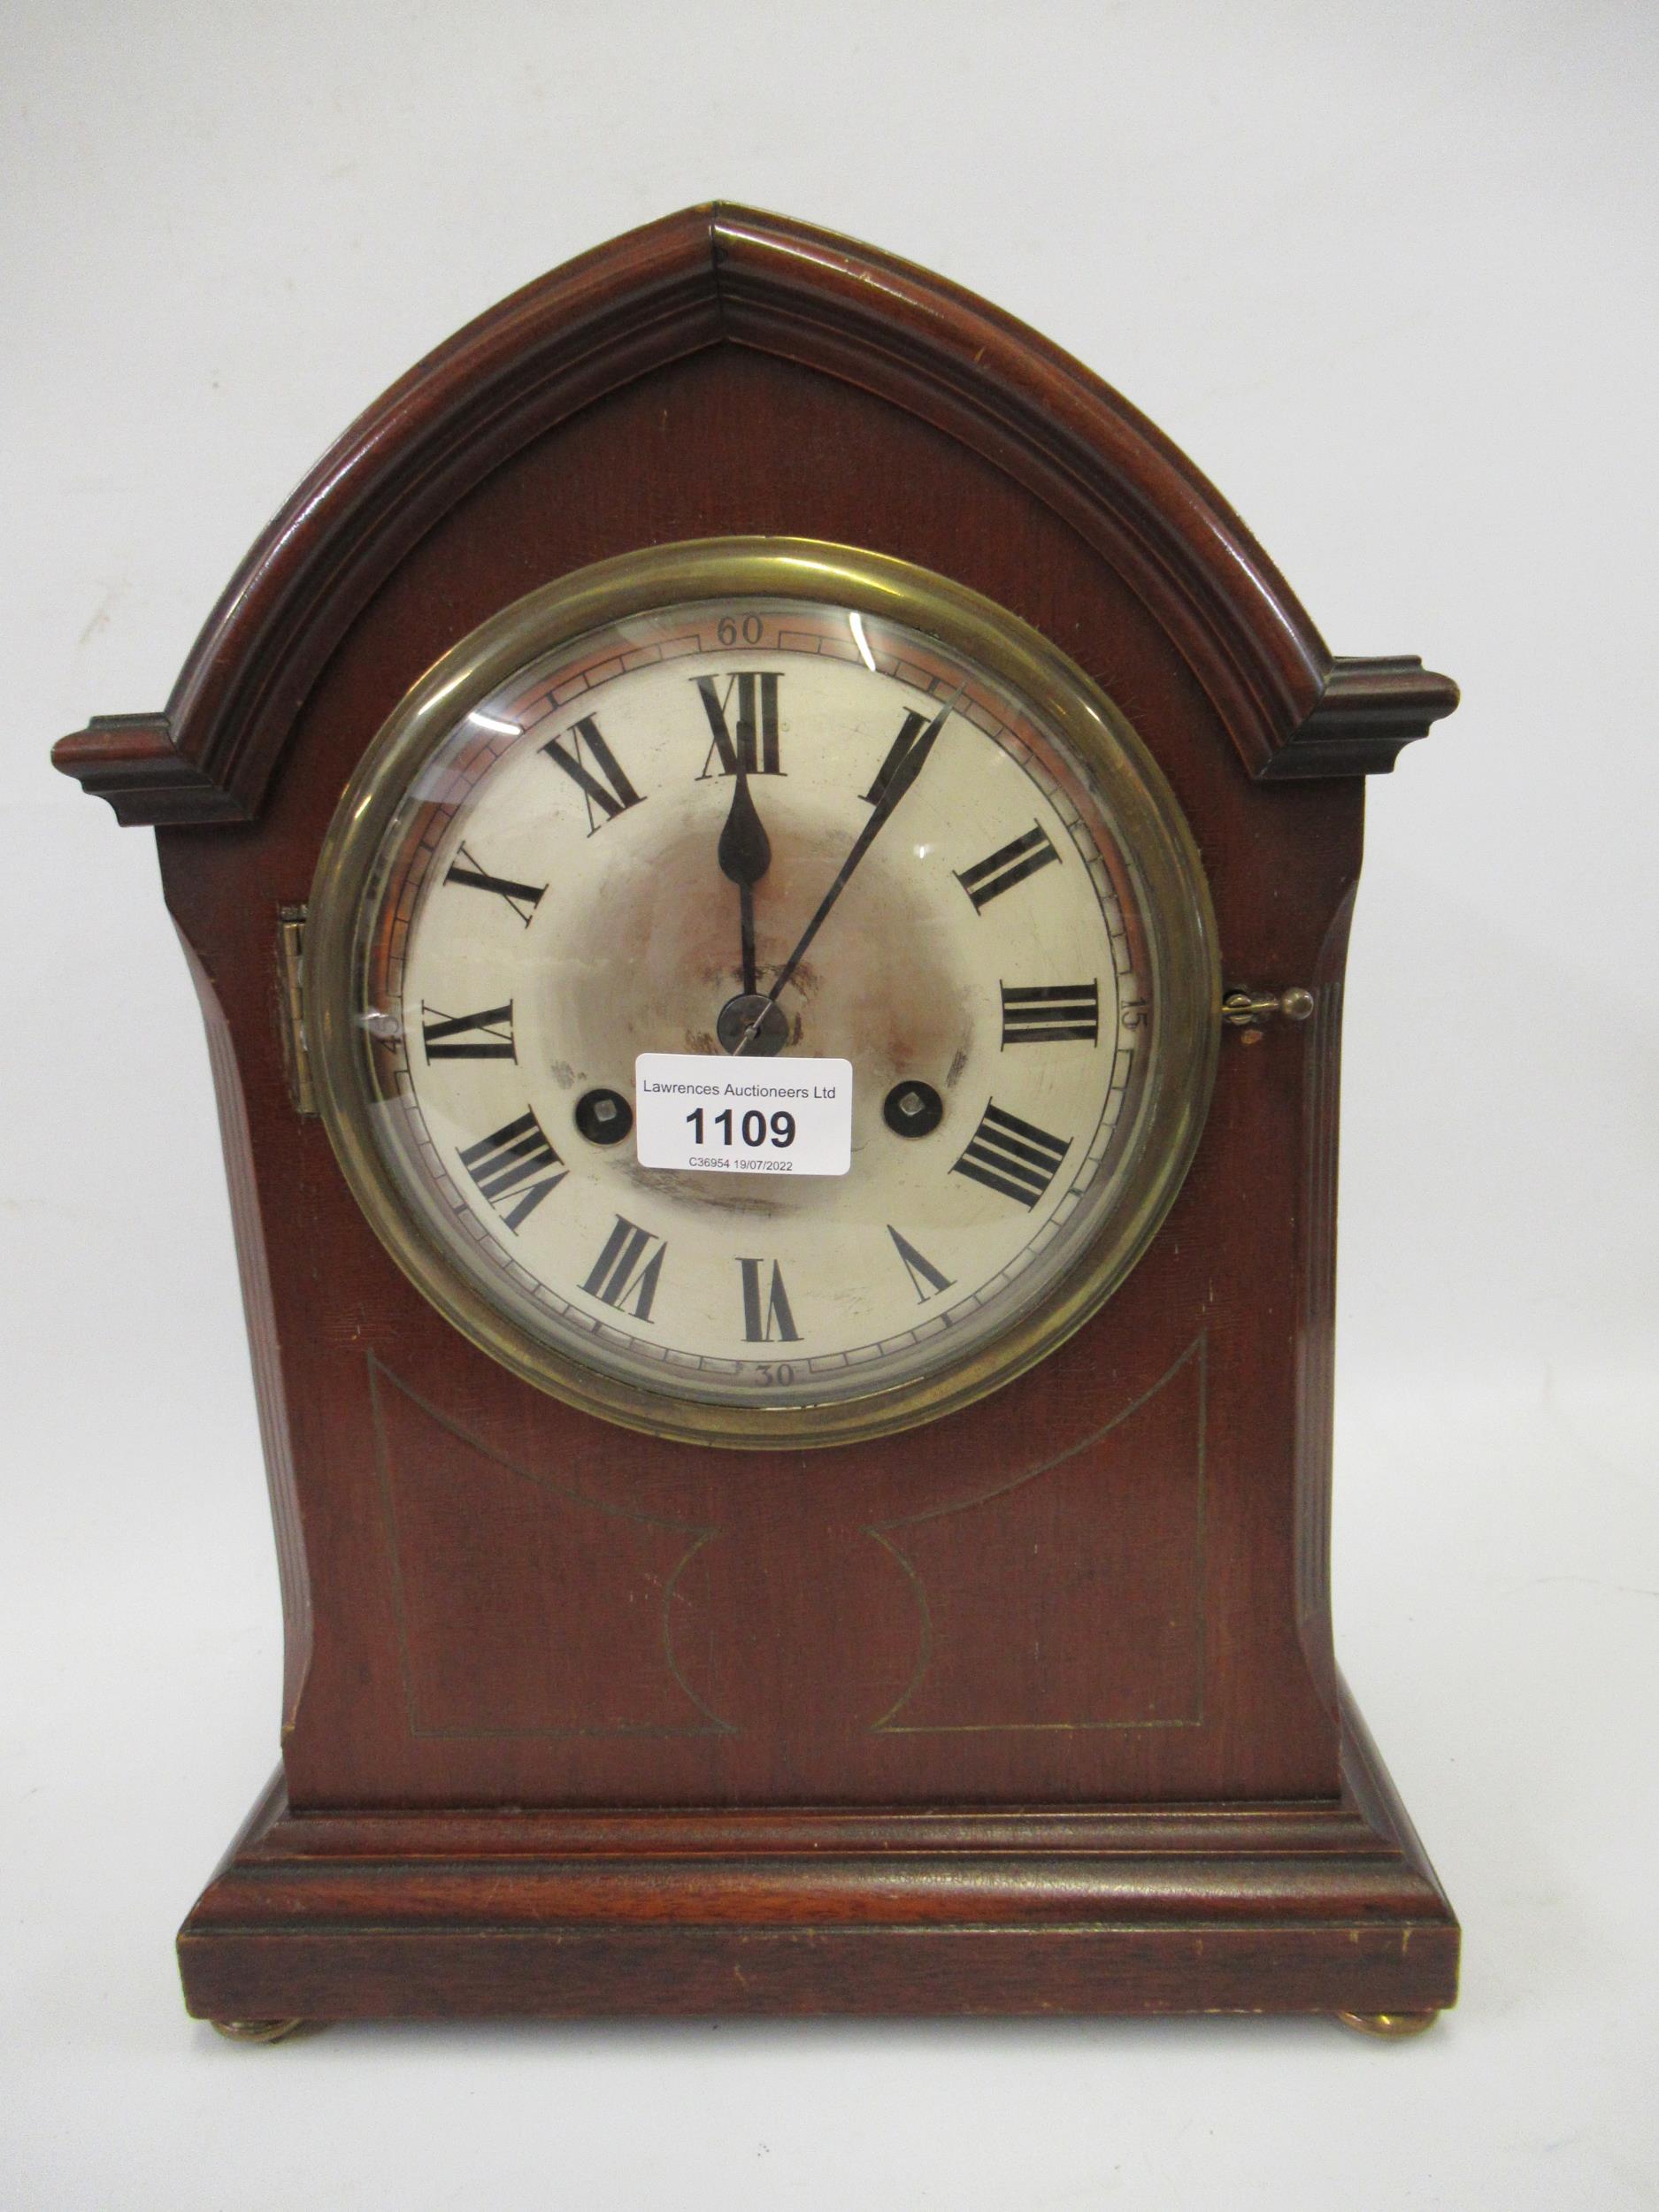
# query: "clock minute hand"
{"type": "Point", "coordinates": [898, 783]}
{"type": "Point", "coordinates": [744, 853]}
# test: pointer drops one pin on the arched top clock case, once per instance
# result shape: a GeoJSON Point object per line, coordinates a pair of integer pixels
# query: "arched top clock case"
{"type": "Point", "coordinates": [1026, 1704]}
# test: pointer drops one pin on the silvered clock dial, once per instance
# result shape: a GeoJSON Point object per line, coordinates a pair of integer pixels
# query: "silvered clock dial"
{"type": "Point", "coordinates": [762, 799]}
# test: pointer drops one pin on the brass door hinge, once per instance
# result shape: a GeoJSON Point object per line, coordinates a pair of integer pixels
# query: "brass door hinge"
{"type": "Point", "coordinates": [296, 1059]}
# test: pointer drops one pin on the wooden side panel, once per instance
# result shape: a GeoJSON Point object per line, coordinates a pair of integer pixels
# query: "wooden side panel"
{"type": "Point", "coordinates": [293, 1573]}
{"type": "Point", "coordinates": [1316, 1332]}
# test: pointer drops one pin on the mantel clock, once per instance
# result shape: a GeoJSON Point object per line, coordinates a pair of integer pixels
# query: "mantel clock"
{"type": "Point", "coordinates": [768, 869]}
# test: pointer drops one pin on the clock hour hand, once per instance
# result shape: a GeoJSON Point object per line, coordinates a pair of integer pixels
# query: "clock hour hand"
{"type": "Point", "coordinates": [903, 776]}
{"type": "Point", "coordinates": [744, 853]}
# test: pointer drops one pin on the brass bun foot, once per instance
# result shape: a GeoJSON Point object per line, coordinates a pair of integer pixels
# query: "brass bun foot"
{"type": "Point", "coordinates": [1389, 2023]}
{"type": "Point", "coordinates": [254, 2030]}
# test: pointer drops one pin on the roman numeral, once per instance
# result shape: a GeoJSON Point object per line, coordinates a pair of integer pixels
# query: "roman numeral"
{"type": "Point", "coordinates": [926, 1280]}
{"type": "Point", "coordinates": [756, 742]}
{"type": "Point", "coordinates": [487, 1035]}
{"type": "Point", "coordinates": [524, 898]}
{"type": "Point", "coordinates": [511, 1168]}
{"type": "Point", "coordinates": [1010, 865]}
{"type": "Point", "coordinates": [604, 784]}
{"type": "Point", "coordinates": [770, 1322]}
{"type": "Point", "coordinates": [1049, 1012]}
{"type": "Point", "coordinates": [910, 730]}
{"type": "Point", "coordinates": [626, 1271]}
{"type": "Point", "coordinates": [1012, 1156]}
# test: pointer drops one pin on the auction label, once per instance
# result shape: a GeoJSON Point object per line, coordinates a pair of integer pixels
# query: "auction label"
{"type": "Point", "coordinates": [747, 1117]}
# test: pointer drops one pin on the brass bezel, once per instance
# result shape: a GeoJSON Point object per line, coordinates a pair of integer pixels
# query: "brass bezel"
{"type": "Point", "coordinates": [1154, 833]}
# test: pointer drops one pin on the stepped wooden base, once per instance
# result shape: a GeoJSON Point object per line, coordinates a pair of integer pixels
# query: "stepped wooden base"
{"type": "Point", "coordinates": [1323, 1908]}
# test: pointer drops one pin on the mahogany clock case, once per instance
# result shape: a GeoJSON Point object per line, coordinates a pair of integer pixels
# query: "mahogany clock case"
{"type": "Point", "coordinates": [1030, 1709]}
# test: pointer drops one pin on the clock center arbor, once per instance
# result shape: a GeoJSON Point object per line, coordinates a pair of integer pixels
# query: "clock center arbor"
{"type": "Point", "coordinates": [711, 1588]}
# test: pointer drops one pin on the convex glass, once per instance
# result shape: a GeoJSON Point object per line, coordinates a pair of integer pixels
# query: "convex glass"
{"type": "Point", "coordinates": [762, 801]}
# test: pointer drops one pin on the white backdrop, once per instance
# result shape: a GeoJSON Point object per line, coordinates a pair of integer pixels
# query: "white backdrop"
{"type": "Point", "coordinates": [1386, 271]}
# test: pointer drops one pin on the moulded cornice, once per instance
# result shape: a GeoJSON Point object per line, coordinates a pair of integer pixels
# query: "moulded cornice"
{"type": "Point", "coordinates": [705, 277]}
